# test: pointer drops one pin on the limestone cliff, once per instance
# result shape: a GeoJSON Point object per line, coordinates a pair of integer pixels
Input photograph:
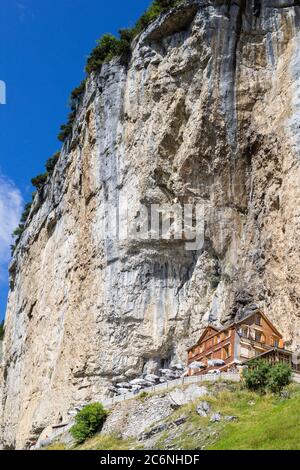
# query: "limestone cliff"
{"type": "Point", "coordinates": [208, 108]}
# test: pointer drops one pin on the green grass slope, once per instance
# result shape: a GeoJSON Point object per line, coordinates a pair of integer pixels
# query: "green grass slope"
{"type": "Point", "coordinates": [265, 422]}
{"type": "Point", "coordinates": [271, 424]}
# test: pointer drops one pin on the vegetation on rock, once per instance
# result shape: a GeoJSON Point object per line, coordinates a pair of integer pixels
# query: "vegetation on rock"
{"type": "Point", "coordinates": [51, 163]}
{"type": "Point", "coordinates": [2, 330]}
{"type": "Point", "coordinates": [88, 421]}
{"type": "Point", "coordinates": [108, 47]}
{"type": "Point", "coordinates": [38, 182]}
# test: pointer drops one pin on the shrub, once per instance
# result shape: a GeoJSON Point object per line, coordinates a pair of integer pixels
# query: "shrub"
{"type": "Point", "coordinates": [66, 129]}
{"type": "Point", "coordinates": [78, 91]}
{"type": "Point", "coordinates": [18, 231]}
{"type": "Point", "coordinates": [166, 5]}
{"type": "Point", "coordinates": [26, 212]}
{"type": "Point", "coordinates": [21, 227]}
{"type": "Point", "coordinates": [124, 45]}
{"type": "Point", "coordinates": [109, 46]}
{"type": "Point", "coordinates": [88, 421]}
{"type": "Point", "coordinates": [256, 376]}
{"type": "Point", "coordinates": [51, 163]}
{"type": "Point", "coordinates": [279, 377]}
{"type": "Point", "coordinates": [2, 330]}
{"type": "Point", "coordinates": [156, 8]}
{"type": "Point", "coordinates": [65, 132]}
{"type": "Point", "coordinates": [39, 181]}
{"type": "Point", "coordinates": [105, 50]}
{"type": "Point", "coordinates": [261, 376]}
{"type": "Point", "coordinates": [143, 395]}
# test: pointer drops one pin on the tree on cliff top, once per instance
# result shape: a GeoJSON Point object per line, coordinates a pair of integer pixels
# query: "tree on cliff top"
{"type": "Point", "coordinates": [109, 46]}
{"type": "Point", "coordinates": [2, 330]}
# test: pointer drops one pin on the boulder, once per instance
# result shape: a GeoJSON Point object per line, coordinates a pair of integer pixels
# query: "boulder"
{"type": "Point", "coordinates": [162, 380]}
{"type": "Point", "coordinates": [123, 385]}
{"type": "Point", "coordinates": [152, 378]}
{"type": "Point", "coordinates": [139, 381]}
{"type": "Point", "coordinates": [179, 367]}
{"type": "Point", "coordinates": [203, 409]}
{"type": "Point", "coordinates": [165, 371]}
{"type": "Point", "coordinates": [162, 427]}
{"type": "Point", "coordinates": [152, 432]}
{"type": "Point", "coordinates": [112, 391]}
{"type": "Point", "coordinates": [216, 417]}
{"type": "Point", "coordinates": [171, 377]}
{"type": "Point", "coordinates": [231, 418]}
{"type": "Point", "coordinates": [123, 391]}
{"type": "Point", "coordinates": [201, 413]}
{"type": "Point", "coordinates": [179, 397]}
{"type": "Point", "coordinates": [45, 442]}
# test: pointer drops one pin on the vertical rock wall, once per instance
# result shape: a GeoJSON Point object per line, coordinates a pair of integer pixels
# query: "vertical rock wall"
{"type": "Point", "coordinates": [207, 110]}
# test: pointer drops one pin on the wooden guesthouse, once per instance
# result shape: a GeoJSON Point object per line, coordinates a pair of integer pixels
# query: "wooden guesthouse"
{"type": "Point", "coordinates": [224, 349]}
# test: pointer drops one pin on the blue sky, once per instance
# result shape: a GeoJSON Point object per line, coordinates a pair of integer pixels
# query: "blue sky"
{"type": "Point", "coordinates": [44, 45]}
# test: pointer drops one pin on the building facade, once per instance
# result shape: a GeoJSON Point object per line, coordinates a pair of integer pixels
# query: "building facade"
{"type": "Point", "coordinates": [231, 346]}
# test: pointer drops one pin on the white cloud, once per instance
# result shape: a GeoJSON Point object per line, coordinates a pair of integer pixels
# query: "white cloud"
{"type": "Point", "coordinates": [11, 204]}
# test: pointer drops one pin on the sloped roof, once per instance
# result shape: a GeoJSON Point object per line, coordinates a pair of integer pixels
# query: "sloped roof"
{"type": "Point", "coordinates": [204, 333]}
{"type": "Point", "coordinates": [255, 312]}
{"type": "Point", "coordinates": [218, 330]}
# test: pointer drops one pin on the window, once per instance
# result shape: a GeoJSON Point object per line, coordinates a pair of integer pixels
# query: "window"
{"type": "Point", "coordinates": [217, 339]}
{"type": "Point", "coordinates": [274, 341]}
{"type": "Point", "coordinates": [244, 331]}
{"type": "Point", "coordinates": [226, 352]}
{"type": "Point", "coordinates": [258, 336]}
{"type": "Point", "coordinates": [226, 334]}
{"type": "Point", "coordinates": [258, 320]}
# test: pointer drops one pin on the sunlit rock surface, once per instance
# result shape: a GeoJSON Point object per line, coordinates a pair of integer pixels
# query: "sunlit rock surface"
{"type": "Point", "coordinates": [208, 109]}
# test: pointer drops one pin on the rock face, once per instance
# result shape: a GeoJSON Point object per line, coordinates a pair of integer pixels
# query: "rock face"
{"type": "Point", "coordinates": [208, 109]}
{"type": "Point", "coordinates": [181, 397]}
{"type": "Point", "coordinates": [132, 418]}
